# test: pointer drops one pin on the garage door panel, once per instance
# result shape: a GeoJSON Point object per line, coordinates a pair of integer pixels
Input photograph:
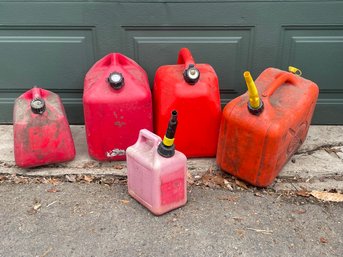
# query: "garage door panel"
{"type": "Point", "coordinates": [53, 43]}
{"type": "Point", "coordinates": [328, 111]}
{"type": "Point", "coordinates": [55, 58]}
{"type": "Point", "coordinates": [227, 49]}
{"type": "Point", "coordinates": [318, 52]}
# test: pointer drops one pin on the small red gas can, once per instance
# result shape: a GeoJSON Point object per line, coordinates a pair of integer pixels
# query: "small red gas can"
{"type": "Point", "coordinates": [259, 135]}
{"type": "Point", "coordinates": [41, 130]}
{"type": "Point", "coordinates": [193, 90]}
{"type": "Point", "coordinates": [117, 105]}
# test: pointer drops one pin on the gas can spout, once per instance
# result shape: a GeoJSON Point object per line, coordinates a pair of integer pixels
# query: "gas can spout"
{"type": "Point", "coordinates": [166, 148]}
{"type": "Point", "coordinates": [255, 104]}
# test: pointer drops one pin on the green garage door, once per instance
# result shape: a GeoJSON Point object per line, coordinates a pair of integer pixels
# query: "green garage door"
{"type": "Point", "coordinates": [53, 43]}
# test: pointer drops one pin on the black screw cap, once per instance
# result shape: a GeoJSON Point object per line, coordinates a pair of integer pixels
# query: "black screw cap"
{"type": "Point", "coordinates": [256, 111]}
{"type": "Point", "coordinates": [166, 151]}
{"type": "Point", "coordinates": [191, 74]}
{"type": "Point", "coordinates": [38, 105]}
{"type": "Point", "coordinates": [116, 80]}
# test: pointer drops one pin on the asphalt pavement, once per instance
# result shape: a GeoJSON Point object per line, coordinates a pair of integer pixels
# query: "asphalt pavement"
{"type": "Point", "coordinates": [82, 208]}
{"type": "Point", "coordinates": [91, 219]}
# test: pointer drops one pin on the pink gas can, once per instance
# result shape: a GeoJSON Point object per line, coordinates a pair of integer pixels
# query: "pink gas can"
{"type": "Point", "coordinates": [156, 172]}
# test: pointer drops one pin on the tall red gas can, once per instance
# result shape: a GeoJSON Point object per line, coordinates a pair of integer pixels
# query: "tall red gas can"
{"type": "Point", "coordinates": [193, 90]}
{"type": "Point", "coordinates": [258, 135]}
{"type": "Point", "coordinates": [41, 130]}
{"type": "Point", "coordinates": [117, 105]}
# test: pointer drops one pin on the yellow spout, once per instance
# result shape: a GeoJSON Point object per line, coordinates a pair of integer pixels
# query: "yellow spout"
{"type": "Point", "coordinates": [294, 70]}
{"type": "Point", "coordinates": [254, 98]}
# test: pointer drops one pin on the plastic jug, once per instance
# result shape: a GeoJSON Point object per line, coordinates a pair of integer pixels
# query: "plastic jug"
{"type": "Point", "coordinates": [258, 135]}
{"type": "Point", "coordinates": [191, 89]}
{"type": "Point", "coordinates": [156, 172]}
{"type": "Point", "coordinates": [117, 104]}
{"type": "Point", "coordinates": [41, 131]}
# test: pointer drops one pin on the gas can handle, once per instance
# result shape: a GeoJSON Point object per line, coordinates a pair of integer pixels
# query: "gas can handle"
{"type": "Point", "coordinates": [282, 79]}
{"type": "Point", "coordinates": [36, 92]}
{"type": "Point", "coordinates": [191, 74]}
{"type": "Point", "coordinates": [145, 134]}
{"type": "Point", "coordinates": [185, 57]}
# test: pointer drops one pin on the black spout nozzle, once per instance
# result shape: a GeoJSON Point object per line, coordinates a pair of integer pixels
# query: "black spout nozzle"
{"type": "Point", "coordinates": [166, 148]}
{"type": "Point", "coordinates": [172, 125]}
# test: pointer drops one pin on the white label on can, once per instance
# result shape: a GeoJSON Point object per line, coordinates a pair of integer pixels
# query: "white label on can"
{"type": "Point", "coordinates": [115, 152]}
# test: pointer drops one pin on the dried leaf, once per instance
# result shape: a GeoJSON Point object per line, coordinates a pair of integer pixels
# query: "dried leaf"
{"type": "Point", "coordinates": [210, 181]}
{"type": "Point", "coordinates": [190, 179]}
{"type": "Point", "coordinates": [241, 184]}
{"type": "Point", "coordinates": [327, 196]}
{"type": "Point", "coordinates": [240, 233]}
{"type": "Point", "coordinates": [124, 201]}
{"type": "Point", "coordinates": [210, 171]}
{"type": "Point", "coordinates": [323, 240]}
{"type": "Point", "coordinates": [257, 194]}
{"type": "Point", "coordinates": [71, 178]}
{"type": "Point", "coordinates": [90, 164]}
{"type": "Point", "coordinates": [303, 193]}
{"type": "Point", "coordinates": [107, 181]}
{"type": "Point", "coordinates": [301, 211]}
{"type": "Point", "coordinates": [88, 178]}
{"type": "Point", "coordinates": [53, 190]}
{"type": "Point", "coordinates": [219, 180]}
{"type": "Point", "coordinates": [20, 180]}
{"type": "Point", "coordinates": [229, 187]}
{"type": "Point", "coordinates": [53, 181]}
{"type": "Point", "coordinates": [37, 206]}
{"type": "Point", "coordinates": [213, 180]}
{"type": "Point", "coordinates": [332, 150]}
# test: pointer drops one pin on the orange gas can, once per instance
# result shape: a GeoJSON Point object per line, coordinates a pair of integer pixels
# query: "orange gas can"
{"type": "Point", "coordinates": [258, 135]}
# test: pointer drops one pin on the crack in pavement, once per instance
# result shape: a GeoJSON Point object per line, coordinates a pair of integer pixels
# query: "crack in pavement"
{"type": "Point", "coordinates": [329, 148]}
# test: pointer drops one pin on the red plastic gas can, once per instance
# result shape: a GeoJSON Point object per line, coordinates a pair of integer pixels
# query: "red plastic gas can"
{"type": "Point", "coordinates": [117, 105]}
{"type": "Point", "coordinates": [258, 135]}
{"type": "Point", "coordinates": [41, 130]}
{"type": "Point", "coordinates": [192, 89]}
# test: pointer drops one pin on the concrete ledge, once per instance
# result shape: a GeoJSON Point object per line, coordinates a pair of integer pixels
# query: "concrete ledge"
{"type": "Point", "coordinates": [317, 165]}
